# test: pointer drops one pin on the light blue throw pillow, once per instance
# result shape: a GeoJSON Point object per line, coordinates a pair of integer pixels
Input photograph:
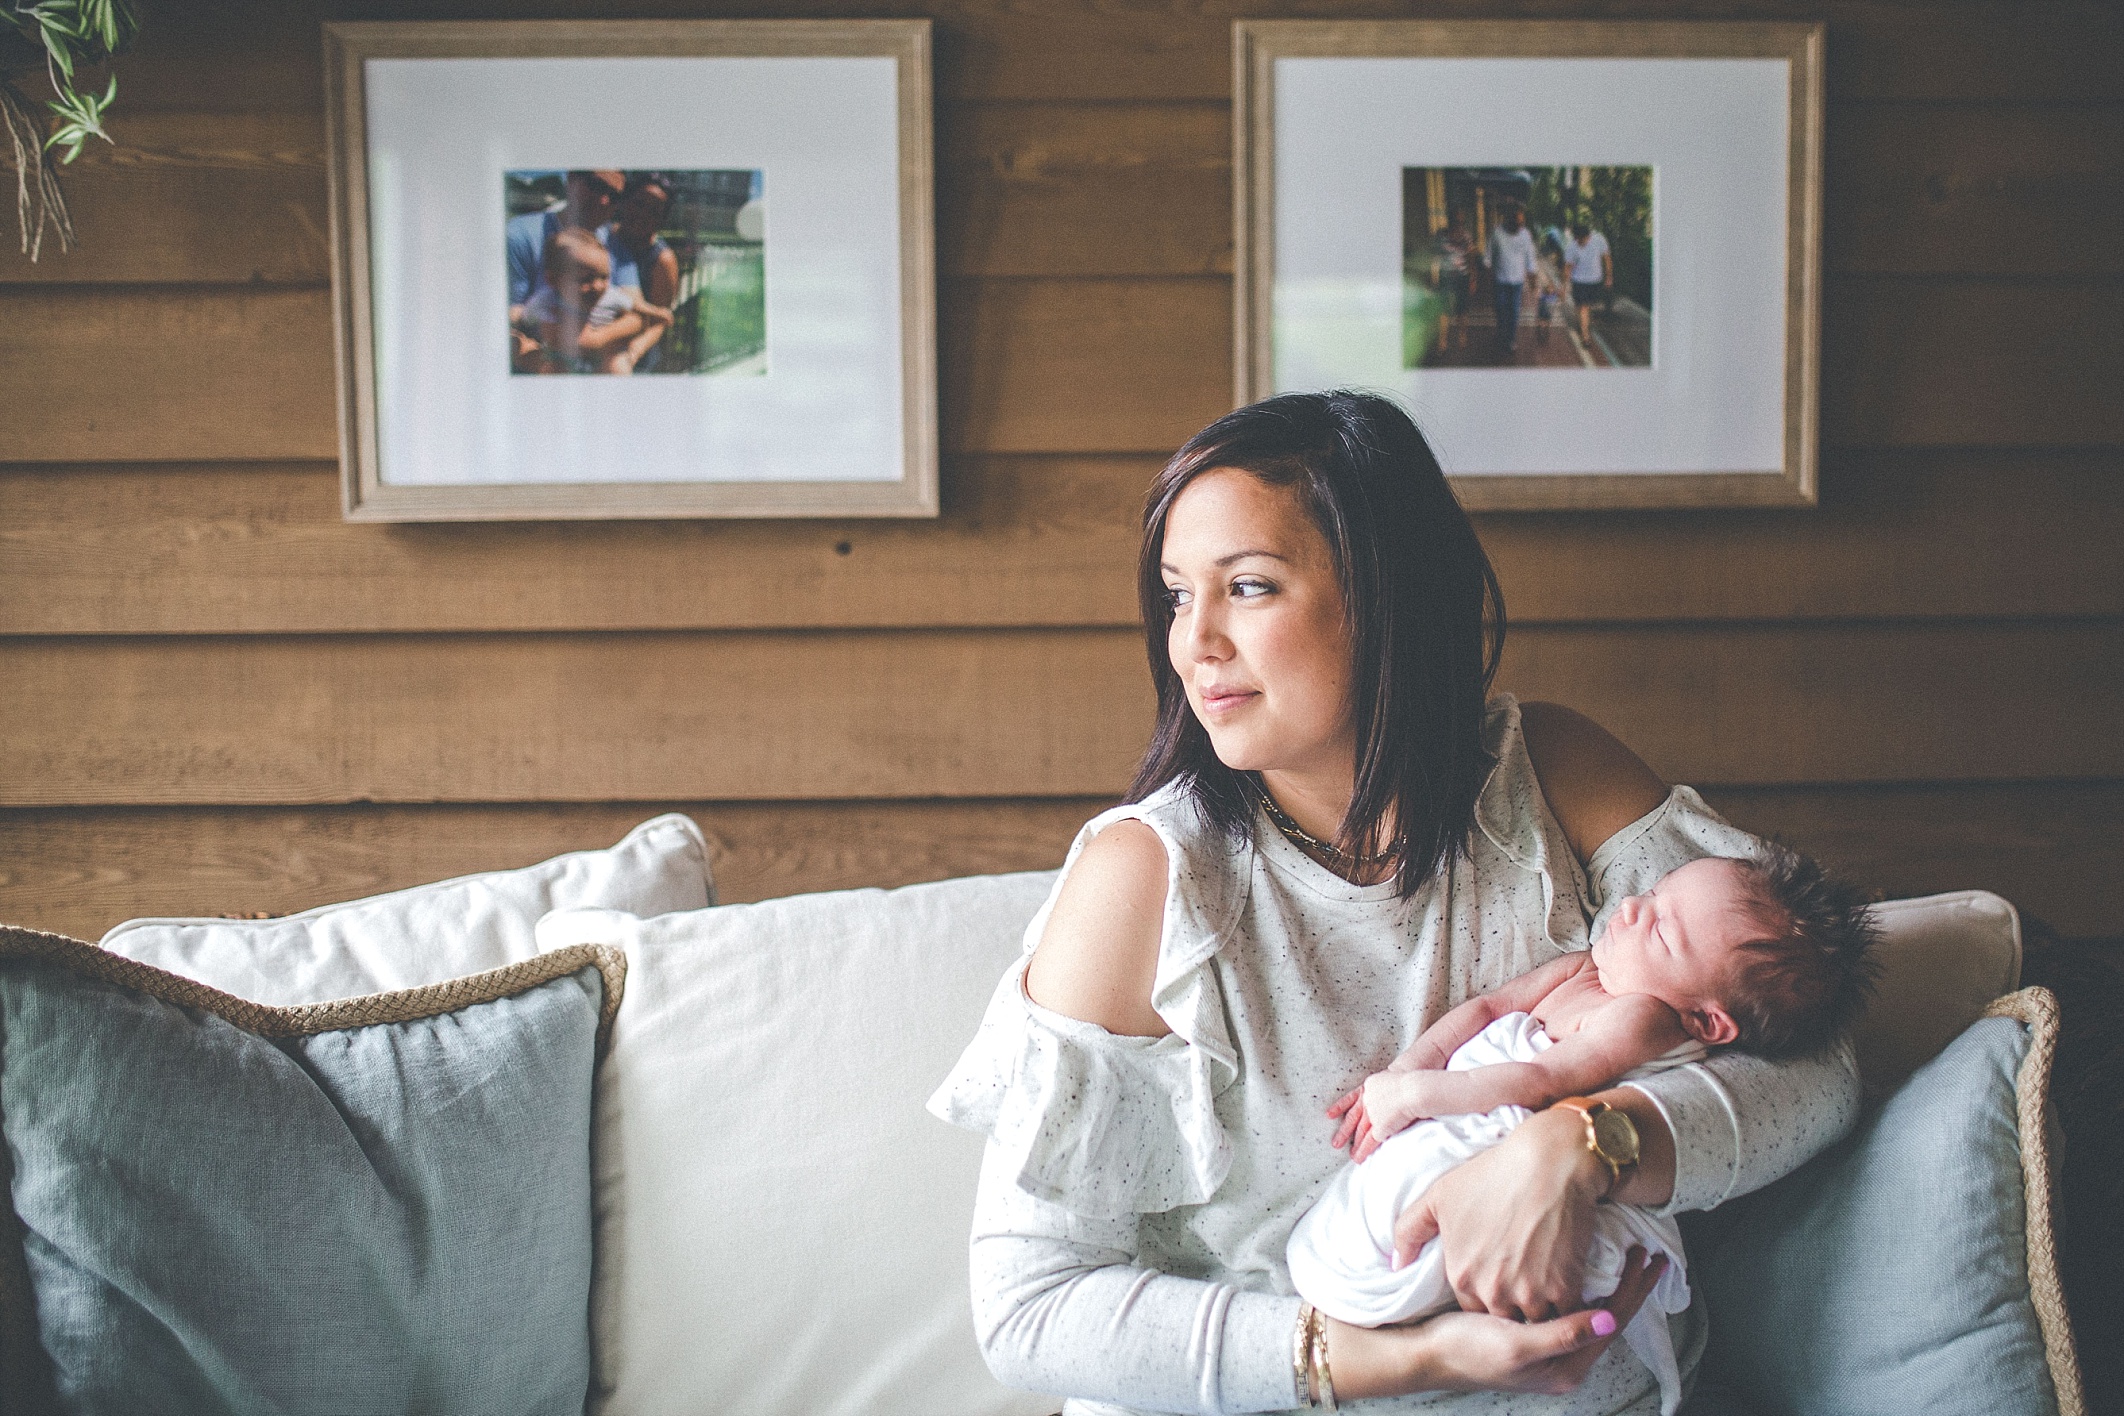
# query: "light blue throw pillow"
{"type": "Point", "coordinates": [1911, 1268]}
{"type": "Point", "coordinates": [380, 1205]}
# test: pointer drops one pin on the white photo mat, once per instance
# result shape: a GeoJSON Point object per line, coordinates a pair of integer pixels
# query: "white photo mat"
{"type": "Point", "coordinates": [1724, 413]}
{"type": "Point", "coordinates": [841, 421]}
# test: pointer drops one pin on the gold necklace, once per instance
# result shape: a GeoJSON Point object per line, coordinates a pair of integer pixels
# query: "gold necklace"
{"type": "Point", "coordinates": [1299, 836]}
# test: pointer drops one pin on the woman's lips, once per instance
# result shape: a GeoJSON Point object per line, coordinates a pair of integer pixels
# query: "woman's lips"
{"type": "Point", "coordinates": [1224, 700]}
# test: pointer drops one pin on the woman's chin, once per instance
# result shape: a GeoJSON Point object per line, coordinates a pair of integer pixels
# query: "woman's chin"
{"type": "Point", "coordinates": [1238, 754]}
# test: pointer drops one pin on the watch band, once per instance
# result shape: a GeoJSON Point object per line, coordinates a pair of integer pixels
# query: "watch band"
{"type": "Point", "coordinates": [1617, 1159]}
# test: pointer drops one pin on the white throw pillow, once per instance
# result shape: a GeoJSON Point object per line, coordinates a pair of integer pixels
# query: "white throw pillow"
{"type": "Point", "coordinates": [1943, 958]}
{"type": "Point", "coordinates": [781, 1228]}
{"type": "Point", "coordinates": [428, 934]}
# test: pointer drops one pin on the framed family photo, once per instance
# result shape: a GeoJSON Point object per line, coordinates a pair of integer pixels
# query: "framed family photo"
{"type": "Point", "coordinates": [633, 269]}
{"type": "Point", "coordinates": [1586, 255]}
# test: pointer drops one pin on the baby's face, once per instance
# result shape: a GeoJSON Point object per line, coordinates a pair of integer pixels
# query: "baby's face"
{"type": "Point", "coordinates": [1678, 942]}
{"type": "Point", "coordinates": [587, 275]}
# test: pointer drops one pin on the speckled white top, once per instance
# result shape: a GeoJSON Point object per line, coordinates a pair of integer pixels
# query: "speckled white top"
{"type": "Point", "coordinates": [1137, 1193]}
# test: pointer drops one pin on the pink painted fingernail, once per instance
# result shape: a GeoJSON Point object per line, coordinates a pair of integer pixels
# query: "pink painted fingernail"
{"type": "Point", "coordinates": [1603, 1323]}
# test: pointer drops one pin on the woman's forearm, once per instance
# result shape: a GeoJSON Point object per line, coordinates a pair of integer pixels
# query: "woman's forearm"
{"type": "Point", "coordinates": [1061, 1306]}
{"type": "Point", "coordinates": [1132, 1335]}
{"type": "Point", "coordinates": [1738, 1122]}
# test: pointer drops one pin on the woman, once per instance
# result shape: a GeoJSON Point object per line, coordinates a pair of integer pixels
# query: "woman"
{"type": "Point", "coordinates": [1332, 840]}
{"type": "Point", "coordinates": [643, 261]}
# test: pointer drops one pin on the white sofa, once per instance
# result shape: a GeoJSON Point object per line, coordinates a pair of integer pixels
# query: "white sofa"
{"type": "Point", "coordinates": [780, 1227]}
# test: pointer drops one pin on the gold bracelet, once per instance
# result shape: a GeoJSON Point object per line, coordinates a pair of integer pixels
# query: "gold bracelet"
{"type": "Point", "coordinates": [1302, 1355]}
{"type": "Point", "coordinates": [1323, 1379]}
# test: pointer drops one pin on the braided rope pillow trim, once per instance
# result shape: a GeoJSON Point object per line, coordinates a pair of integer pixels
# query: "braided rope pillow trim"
{"type": "Point", "coordinates": [24, 1374]}
{"type": "Point", "coordinates": [2037, 1010]}
{"type": "Point", "coordinates": [407, 1005]}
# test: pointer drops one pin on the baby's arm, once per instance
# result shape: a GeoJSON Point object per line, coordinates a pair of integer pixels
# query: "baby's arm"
{"type": "Point", "coordinates": [1443, 1038]}
{"type": "Point", "coordinates": [599, 339]}
{"type": "Point", "coordinates": [1621, 1035]}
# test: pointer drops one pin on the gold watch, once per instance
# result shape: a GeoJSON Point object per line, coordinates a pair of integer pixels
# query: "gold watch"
{"type": "Point", "coordinates": [1610, 1134]}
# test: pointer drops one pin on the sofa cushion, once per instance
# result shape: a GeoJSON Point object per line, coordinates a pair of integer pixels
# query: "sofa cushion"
{"type": "Point", "coordinates": [1943, 959]}
{"type": "Point", "coordinates": [781, 1227]}
{"type": "Point", "coordinates": [1912, 1267]}
{"type": "Point", "coordinates": [429, 933]}
{"type": "Point", "coordinates": [381, 1204]}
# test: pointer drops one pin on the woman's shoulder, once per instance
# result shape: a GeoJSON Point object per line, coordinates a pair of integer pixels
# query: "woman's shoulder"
{"type": "Point", "coordinates": [1097, 957]}
{"type": "Point", "coordinates": [1593, 784]}
{"type": "Point", "coordinates": [1146, 894]}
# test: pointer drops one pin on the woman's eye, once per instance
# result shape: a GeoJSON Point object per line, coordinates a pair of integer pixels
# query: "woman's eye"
{"type": "Point", "coordinates": [1176, 597]}
{"type": "Point", "coordinates": [1248, 589]}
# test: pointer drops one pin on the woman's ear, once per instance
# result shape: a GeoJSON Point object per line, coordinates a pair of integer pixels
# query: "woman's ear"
{"type": "Point", "coordinates": [1710, 1025]}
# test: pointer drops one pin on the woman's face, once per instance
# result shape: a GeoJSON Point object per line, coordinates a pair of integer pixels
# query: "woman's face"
{"type": "Point", "coordinates": [1258, 635]}
{"type": "Point", "coordinates": [640, 212]}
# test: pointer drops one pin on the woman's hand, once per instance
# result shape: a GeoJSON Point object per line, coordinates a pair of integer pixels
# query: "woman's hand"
{"type": "Point", "coordinates": [1478, 1352]}
{"type": "Point", "coordinates": [1515, 1221]}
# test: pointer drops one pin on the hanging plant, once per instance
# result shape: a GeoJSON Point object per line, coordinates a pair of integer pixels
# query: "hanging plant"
{"type": "Point", "coordinates": [62, 38]}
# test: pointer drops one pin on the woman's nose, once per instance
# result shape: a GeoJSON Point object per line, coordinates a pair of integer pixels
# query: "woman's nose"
{"type": "Point", "coordinates": [1203, 637]}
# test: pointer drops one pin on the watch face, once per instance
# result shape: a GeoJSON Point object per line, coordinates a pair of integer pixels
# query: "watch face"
{"type": "Point", "coordinates": [1617, 1135]}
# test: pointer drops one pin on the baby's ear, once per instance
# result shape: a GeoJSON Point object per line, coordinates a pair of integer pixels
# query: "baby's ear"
{"type": "Point", "coordinates": [1710, 1025]}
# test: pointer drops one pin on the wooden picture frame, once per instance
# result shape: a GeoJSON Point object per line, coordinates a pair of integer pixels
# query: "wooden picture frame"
{"type": "Point", "coordinates": [785, 169]}
{"type": "Point", "coordinates": [1713, 399]}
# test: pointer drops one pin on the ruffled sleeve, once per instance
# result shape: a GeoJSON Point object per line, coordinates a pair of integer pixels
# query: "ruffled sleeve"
{"type": "Point", "coordinates": [1101, 1124]}
{"type": "Point", "coordinates": [1514, 817]}
{"type": "Point", "coordinates": [1680, 829]}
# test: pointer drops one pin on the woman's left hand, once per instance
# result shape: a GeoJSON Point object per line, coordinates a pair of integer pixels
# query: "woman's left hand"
{"type": "Point", "coordinates": [1514, 1222]}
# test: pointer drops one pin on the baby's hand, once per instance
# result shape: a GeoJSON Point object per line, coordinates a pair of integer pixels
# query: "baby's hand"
{"type": "Point", "coordinates": [1394, 1099]}
{"type": "Point", "coordinates": [1387, 1102]}
{"type": "Point", "coordinates": [1356, 1128]}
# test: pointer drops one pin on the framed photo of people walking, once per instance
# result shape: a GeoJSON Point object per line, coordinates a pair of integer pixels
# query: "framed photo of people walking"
{"type": "Point", "coordinates": [633, 268]}
{"type": "Point", "coordinates": [1586, 255]}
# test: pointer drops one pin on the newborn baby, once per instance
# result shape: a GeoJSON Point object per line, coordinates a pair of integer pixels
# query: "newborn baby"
{"type": "Point", "coordinates": [1771, 956]}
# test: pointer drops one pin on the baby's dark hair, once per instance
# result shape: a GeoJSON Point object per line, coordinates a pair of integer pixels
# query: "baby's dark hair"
{"type": "Point", "coordinates": [1799, 988]}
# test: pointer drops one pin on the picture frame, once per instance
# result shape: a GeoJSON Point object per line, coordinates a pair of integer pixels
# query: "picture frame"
{"type": "Point", "coordinates": [508, 196]}
{"type": "Point", "coordinates": [1374, 163]}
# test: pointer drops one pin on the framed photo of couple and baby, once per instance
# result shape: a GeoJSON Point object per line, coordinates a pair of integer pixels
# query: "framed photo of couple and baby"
{"type": "Point", "coordinates": [633, 268]}
{"type": "Point", "coordinates": [1586, 255]}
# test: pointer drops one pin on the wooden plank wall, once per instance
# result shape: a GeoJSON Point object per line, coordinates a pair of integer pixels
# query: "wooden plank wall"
{"type": "Point", "coordinates": [215, 696]}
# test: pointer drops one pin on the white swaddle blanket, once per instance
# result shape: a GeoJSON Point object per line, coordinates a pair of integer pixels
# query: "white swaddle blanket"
{"type": "Point", "coordinates": [1341, 1255]}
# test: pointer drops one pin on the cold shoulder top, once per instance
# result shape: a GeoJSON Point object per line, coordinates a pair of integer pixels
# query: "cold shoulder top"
{"type": "Point", "coordinates": [1137, 1193]}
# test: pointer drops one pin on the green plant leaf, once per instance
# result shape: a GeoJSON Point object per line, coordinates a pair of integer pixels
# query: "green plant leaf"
{"type": "Point", "coordinates": [101, 17]}
{"type": "Point", "coordinates": [75, 33]}
{"type": "Point", "coordinates": [59, 52]}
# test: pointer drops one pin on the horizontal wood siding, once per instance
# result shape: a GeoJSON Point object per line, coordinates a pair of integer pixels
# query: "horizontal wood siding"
{"type": "Point", "coordinates": [217, 696]}
{"type": "Point", "coordinates": [214, 548]}
{"type": "Point", "coordinates": [970, 713]}
{"type": "Point", "coordinates": [79, 871]}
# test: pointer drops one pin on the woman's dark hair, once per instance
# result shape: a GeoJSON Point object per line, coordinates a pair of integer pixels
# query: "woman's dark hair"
{"type": "Point", "coordinates": [1425, 613]}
